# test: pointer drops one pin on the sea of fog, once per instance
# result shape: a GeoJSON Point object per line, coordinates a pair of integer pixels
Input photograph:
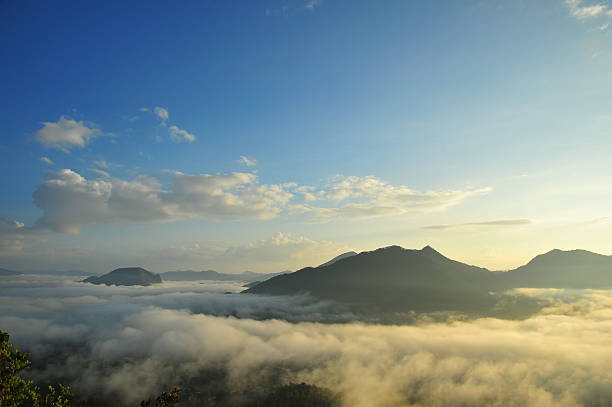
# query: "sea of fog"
{"type": "Point", "coordinates": [128, 343]}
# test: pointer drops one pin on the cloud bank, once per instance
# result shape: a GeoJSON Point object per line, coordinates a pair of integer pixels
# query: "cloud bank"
{"type": "Point", "coordinates": [131, 342]}
{"type": "Point", "coordinates": [70, 201]}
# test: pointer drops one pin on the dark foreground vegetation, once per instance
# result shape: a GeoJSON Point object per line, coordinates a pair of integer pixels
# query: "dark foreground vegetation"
{"type": "Point", "coordinates": [16, 391]}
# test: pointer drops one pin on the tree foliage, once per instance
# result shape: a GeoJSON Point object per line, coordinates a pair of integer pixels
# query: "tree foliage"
{"type": "Point", "coordinates": [300, 395]}
{"type": "Point", "coordinates": [16, 391]}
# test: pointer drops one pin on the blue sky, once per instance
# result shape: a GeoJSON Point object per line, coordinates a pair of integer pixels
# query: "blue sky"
{"type": "Point", "coordinates": [481, 127]}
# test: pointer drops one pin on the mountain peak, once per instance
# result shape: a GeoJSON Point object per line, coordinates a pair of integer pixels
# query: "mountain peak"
{"type": "Point", "coordinates": [429, 249]}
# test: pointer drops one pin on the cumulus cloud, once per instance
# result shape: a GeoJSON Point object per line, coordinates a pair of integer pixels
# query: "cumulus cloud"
{"type": "Point", "coordinates": [498, 222]}
{"type": "Point", "coordinates": [161, 113]}
{"type": "Point", "coordinates": [128, 343]}
{"type": "Point", "coordinates": [178, 135]}
{"type": "Point", "coordinates": [65, 134]}
{"type": "Point", "coordinates": [46, 160]}
{"type": "Point", "coordinates": [246, 161]}
{"type": "Point", "coordinates": [70, 201]}
{"type": "Point", "coordinates": [368, 197]}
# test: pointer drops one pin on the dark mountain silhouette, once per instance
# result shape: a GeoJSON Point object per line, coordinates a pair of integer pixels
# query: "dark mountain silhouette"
{"type": "Point", "coordinates": [339, 257]}
{"type": "Point", "coordinates": [189, 275]}
{"type": "Point", "coordinates": [425, 280]}
{"type": "Point", "coordinates": [391, 277]}
{"type": "Point", "coordinates": [126, 276]}
{"type": "Point", "coordinates": [6, 272]}
{"type": "Point", "coordinates": [563, 269]}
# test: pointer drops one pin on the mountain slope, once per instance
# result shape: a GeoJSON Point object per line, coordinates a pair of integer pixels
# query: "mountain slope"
{"type": "Point", "coordinates": [563, 269]}
{"type": "Point", "coordinates": [391, 277]}
{"type": "Point", "coordinates": [425, 280]}
{"type": "Point", "coordinates": [339, 257]}
{"type": "Point", "coordinates": [126, 276]}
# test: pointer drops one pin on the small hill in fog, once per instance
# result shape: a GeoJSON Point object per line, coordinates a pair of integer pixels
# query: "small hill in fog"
{"type": "Point", "coordinates": [126, 276]}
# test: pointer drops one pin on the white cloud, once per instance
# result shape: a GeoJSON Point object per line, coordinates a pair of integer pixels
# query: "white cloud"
{"type": "Point", "coordinates": [143, 109]}
{"type": "Point", "coordinates": [368, 197]}
{"type": "Point", "coordinates": [105, 164]}
{"type": "Point", "coordinates": [47, 160]}
{"type": "Point", "coordinates": [178, 135]}
{"type": "Point", "coordinates": [582, 12]}
{"type": "Point", "coordinates": [311, 4]}
{"type": "Point", "coordinates": [161, 113]}
{"type": "Point", "coordinates": [249, 162]}
{"type": "Point", "coordinates": [70, 201]}
{"type": "Point", "coordinates": [65, 134]}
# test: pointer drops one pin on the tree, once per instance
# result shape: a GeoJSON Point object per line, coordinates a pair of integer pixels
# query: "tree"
{"type": "Point", "coordinates": [166, 399]}
{"type": "Point", "coordinates": [16, 391]}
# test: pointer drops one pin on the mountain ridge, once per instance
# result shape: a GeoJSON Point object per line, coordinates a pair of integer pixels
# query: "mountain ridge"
{"type": "Point", "coordinates": [424, 279]}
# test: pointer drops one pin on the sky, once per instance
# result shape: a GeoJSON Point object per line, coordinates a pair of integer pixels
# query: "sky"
{"type": "Point", "coordinates": [273, 135]}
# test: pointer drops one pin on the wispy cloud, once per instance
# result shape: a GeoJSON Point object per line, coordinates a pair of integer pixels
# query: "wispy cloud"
{"type": "Point", "coordinates": [179, 135]}
{"type": "Point", "coordinates": [312, 4]}
{"type": "Point", "coordinates": [369, 197]}
{"type": "Point", "coordinates": [100, 172]}
{"type": "Point", "coordinates": [246, 161]}
{"type": "Point", "coordinates": [489, 223]}
{"type": "Point", "coordinates": [47, 160]}
{"type": "Point", "coordinates": [161, 113]}
{"type": "Point", "coordinates": [585, 12]}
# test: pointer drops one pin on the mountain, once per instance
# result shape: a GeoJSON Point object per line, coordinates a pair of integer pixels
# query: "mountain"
{"type": "Point", "coordinates": [339, 257]}
{"type": "Point", "coordinates": [126, 276]}
{"type": "Point", "coordinates": [392, 278]}
{"type": "Point", "coordinates": [563, 269]}
{"type": "Point", "coordinates": [189, 275]}
{"type": "Point", "coordinates": [5, 272]}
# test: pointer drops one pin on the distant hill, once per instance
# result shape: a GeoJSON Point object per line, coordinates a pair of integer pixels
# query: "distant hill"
{"type": "Point", "coordinates": [6, 272]}
{"type": "Point", "coordinates": [126, 276]}
{"type": "Point", "coordinates": [425, 280]}
{"type": "Point", "coordinates": [563, 269]}
{"type": "Point", "coordinates": [211, 275]}
{"type": "Point", "coordinates": [339, 257]}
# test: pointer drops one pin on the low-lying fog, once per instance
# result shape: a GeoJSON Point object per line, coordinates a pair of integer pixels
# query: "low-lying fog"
{"type": "Point", "coordinates": [128, 343]}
